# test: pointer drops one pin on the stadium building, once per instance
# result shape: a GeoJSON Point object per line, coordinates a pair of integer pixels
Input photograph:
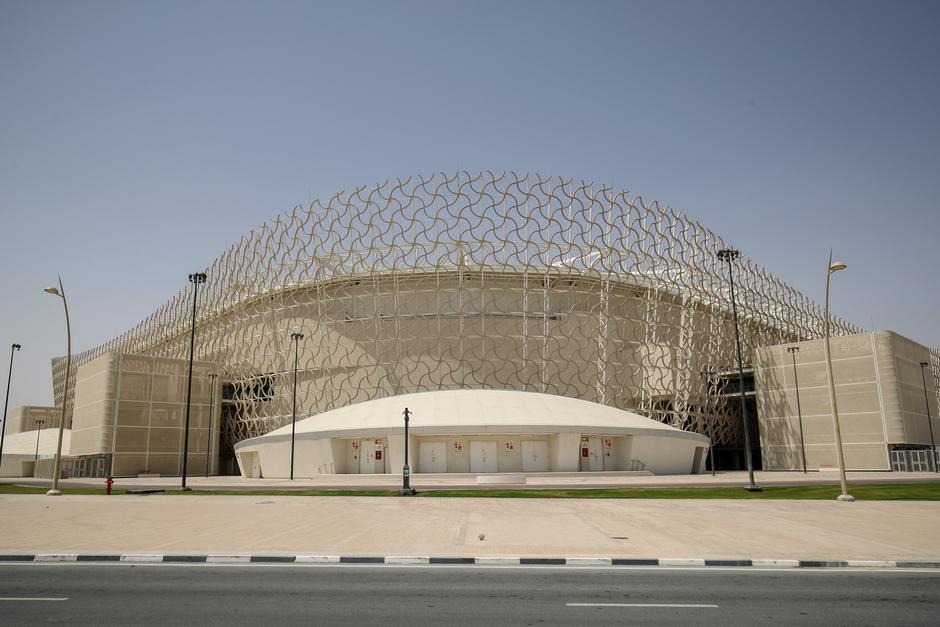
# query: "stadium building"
{"type": "Point", "coordinates": [552, 287]}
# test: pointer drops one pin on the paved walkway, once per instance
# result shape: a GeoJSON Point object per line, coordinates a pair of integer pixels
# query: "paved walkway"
{"type": "Point", "coordinates": [534, 480]}
{"type": "Point", "coordinates": [715, 529]}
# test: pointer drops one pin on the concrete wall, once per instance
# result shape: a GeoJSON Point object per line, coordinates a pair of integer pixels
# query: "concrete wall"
{"type": "Point", "coordinates": [879, 393]}
{"type": "Point", "coordinates": [315, 456]}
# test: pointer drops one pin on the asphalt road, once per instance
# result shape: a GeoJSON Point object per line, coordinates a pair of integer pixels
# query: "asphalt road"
{"type": "Point", "coordinates": [118, 594]}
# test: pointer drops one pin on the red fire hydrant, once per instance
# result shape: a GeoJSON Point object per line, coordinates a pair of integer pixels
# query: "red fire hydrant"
{"type": "Point", "coordinates": [107, 485]}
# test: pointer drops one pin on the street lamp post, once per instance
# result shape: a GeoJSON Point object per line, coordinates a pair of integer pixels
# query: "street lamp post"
{"type": "Point", "coordinates": [3, 428]}
{"type": "Point", "coordinates": [729, 255]}
{"type": "Point", "coordinates": [405, 470]}
{"type": "Point", "coordinates": [60, 292]}
{"type": "Point", "coordinates": [845, 496]}
{"type": "Point", "coordinates": [212, 377]}
{"type": "Point", "coordinates": [708, 416]}
{"type": "Point", "coordinates": [196, 279]}
{"type": "Point", "coordinates": [293, 421]}
{"type": "Point", "coordinates": [933, 446]}
{"type": "Point", "coordinates": [793, 350]}
{"type": "Point", "coordinates": [39, 424]}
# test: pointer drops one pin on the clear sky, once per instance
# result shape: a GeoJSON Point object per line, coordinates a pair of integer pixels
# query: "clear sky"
{"type": "Point", "coordinates": [139, 139]}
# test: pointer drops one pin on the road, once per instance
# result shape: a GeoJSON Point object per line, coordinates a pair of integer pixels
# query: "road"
{"type": "Point", "coordinates": [120, 594]}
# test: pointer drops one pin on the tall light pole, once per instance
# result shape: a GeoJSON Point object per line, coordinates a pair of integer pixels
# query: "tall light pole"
{"type": "Point", "coordinates": [39, 424]}
{"type": "Point", "coordinates": [933, 446]}
{"type": "Point", "coordinates": [793, 350]}
{"type": "Point", "coordinates": [729, 255]}
{"type": "Point", "coordinates": [293, 421]}
{"type": "Point", "coordinates": [212, 378]}
{"type": "Point", "coordinates": [3, 428]}
{"type": "Point", "coordinates": [196, 279]}
{"type": "Point", "coordinates": [845, 496]}
{"type": "Point", "coordinates": [60, 292]}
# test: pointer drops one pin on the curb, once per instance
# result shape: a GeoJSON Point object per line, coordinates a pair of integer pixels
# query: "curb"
{"type": "Point", "coordinates": [423, 560]}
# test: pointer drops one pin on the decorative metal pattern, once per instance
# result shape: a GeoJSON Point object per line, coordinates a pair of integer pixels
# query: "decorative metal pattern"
{"type": "Point", "coordinates": [476, 281]}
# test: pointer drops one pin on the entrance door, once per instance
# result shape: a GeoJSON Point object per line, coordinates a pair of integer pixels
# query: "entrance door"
{"type": "Point", "coordinates": [367, 457]}
{"type": "Point", "coordinates": [432, 457]}
{"type": "Point", "coordinates": [482, 456]}
{"type": "Point", "coordinates": [592, 454]}
{"type": "Point", "coordinates": [534, 456]}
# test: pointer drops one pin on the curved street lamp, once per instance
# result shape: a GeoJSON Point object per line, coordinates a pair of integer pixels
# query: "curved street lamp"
{"type": "Point", "coordinates": [296, 337]}
{"type": "Point", "coordinates": [3, 427]}
{"type": "Point", "coordinates": [60, 292]}
{"type": "Point", "coordinates": [933, 446]}
{"type": "Point", "coordinates": [730, 254]}
{"type": "Point", "coordinates": [845, 496]}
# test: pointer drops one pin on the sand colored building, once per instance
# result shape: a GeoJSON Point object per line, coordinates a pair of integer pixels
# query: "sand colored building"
{"type": "Point", "coordinates": [880, 394]}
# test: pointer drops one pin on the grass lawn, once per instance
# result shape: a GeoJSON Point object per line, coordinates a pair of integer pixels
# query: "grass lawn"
{"type": "Point", "coordinates": [862, 492]}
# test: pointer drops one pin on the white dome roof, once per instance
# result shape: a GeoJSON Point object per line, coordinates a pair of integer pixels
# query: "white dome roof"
{"type": "Point", "coordinates": [475, 411]}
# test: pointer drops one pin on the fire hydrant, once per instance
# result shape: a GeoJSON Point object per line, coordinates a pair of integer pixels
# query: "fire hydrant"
{"type": "Point", "coordinates": [107, 485]}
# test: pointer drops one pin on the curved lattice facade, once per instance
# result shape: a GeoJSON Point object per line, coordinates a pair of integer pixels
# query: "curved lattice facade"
{"type": "Point", "coordinates": [475, 281]}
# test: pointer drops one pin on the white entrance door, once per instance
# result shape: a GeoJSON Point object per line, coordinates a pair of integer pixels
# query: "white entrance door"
{"type": "Point", "coordinates": [482, 456]}
{"type": "Point", "coordinates": [367, 457]}
{"type": "Point", "coordinates": [534, 456]}
{"type": "Point", "coordinates": [432, 457]}
{"type": "Point", "coordinates": [592, 454]}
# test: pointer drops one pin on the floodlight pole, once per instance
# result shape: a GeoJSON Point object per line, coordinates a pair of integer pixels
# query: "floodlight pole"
{"type": "Point", "coordinates": [730, 254]}
{"type": "Point", "coordinates": [195, 279]}
{"type": "Point", "coordinates": [793, 350]}
{"type": "Point", "coordinates": [406, 489]}
{"type": "Point", "coordinates": [296, 337]}
{"type": "Point", "coordinates": [3, 428]}
{"type": "Point", "coordinates": [933, 446]}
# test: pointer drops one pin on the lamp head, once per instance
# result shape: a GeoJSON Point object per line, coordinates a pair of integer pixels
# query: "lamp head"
{"type": "Point", "coordinates": [51, 290]}
{"type": "Point", "coordinates": [835, 267]}
{"type": "Point", "coordinates": [793, 349]}
{"type": "Point", "coordinates": [17, 347]}
{"type": "Point", "coordinates": [728, 253]}
{"type": "Point", "coordinates": [924, 364]}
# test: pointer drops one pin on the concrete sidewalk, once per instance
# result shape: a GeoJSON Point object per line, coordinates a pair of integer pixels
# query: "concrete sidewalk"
{"type": "Point", "coordinates": [710, 529]}
{"type": "Point", "coordinates": [464, 481]}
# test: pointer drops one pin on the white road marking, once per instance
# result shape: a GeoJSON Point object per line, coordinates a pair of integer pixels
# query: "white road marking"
{"type": "Point", "coordinates": [34, 598]}
{"type": "Point", "coordinates": [686, 605]}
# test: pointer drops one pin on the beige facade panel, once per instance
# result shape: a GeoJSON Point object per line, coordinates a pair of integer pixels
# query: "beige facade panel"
{"type": "Point", "coordinates": [132, 408]}
{"type": "Point", "coordinates": [879, 392]}
{"type": "Point", "coordinates": [31, 417]}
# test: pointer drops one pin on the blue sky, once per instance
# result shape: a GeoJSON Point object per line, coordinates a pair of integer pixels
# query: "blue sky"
{"type": "Point", "coordinates": [140, 139]}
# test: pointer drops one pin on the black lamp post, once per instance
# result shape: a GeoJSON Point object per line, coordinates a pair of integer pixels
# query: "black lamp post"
{"type": "Point", "coordinates": [293, 421]}
{"type": "Point", "coordinates": [39, 424]}
{"type": "Point", "coordinates": [793, 350]}
{"type": "Point", "coordinates": [212, 377]}
{"type": "Point", "coordinates": [708, 416]}
{"type": "Point", "coordinates": [405, 470]}
{"type": "Point", "coordinates": [933, 446]}
{"type": "Point", "coordinates": [195, 279]}
{"type": "Point", "coordinates": [3, 428]}
{"type": "Point", "coordinates": [729, 255]}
